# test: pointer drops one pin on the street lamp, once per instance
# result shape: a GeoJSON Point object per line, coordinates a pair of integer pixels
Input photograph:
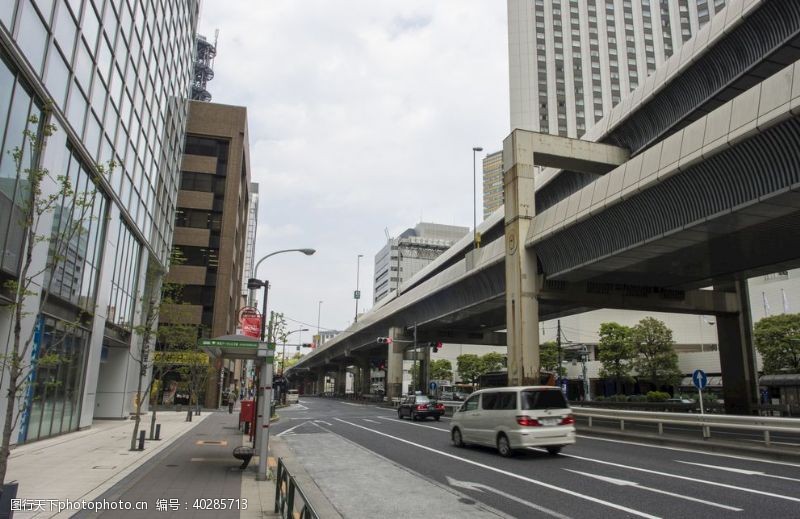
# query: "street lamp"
{"type": "Point", "coordinates": [265, 381]}
{"type": "Point", "coordinates": [283, 353]}
{"type": "Point", "coordinates": [475, 198]}
{"type": "Point", "coordinates": [319, 313]}
{"type": "Point", "coordinates": [357, 294]}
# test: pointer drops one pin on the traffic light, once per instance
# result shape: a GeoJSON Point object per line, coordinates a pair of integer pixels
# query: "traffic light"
{"type": "Point", "coordinates": [435, 346]}
{"type": "Point", "coordinates": [384, 340]}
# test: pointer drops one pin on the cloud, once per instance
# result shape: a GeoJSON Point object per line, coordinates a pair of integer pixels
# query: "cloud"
{"type": "Point", "coordinates": [362, 116]}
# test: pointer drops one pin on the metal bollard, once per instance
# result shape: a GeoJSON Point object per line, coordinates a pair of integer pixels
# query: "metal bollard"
{"type": "Point", "coordinates": [141, 440]}
{"type": "Point", "coordinates": [158, 431]}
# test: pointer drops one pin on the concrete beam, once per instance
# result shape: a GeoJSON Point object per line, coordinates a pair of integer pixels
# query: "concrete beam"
{"type": "Point", "coordinates": [561, 152]}
{"type": "Point", "coordinates": [652, 299]}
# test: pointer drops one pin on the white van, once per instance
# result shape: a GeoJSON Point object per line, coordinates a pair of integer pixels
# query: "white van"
{"type": "Point", "coordinates": [510, 418]}
{"type": "Point", "coordinates": [292, 396]}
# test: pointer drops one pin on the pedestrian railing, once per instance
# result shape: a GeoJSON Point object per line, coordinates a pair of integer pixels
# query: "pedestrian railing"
{"type": "Point", "coordinates": [290, 501]}
{"type": "Point", "coordinates": [703, 422]}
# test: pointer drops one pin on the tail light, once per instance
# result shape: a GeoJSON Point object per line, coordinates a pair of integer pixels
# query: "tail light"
{"type": "Point", "coordinates": [527, 421]}
{"type": "Point", "coordinates": [440, 407]}
{"type": "Point", "coordinates": [568, 420]}
{"type": "Point", "coordinates": [422, 407]}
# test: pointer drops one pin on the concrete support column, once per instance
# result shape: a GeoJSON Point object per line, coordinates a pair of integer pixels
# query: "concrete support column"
{"type": "Point", "coordinates": [394, 364]}
{"type": "Point", "coordinates": [737, 356]}
{"type": "Point", "coordinates": [425, 368]}
{"type": "Point", "coordinates": [522, 278]}
{"type": "Point", "coordinates": [341, 380]}
{"type": "Point", "coordinates": [319, 384]}
{"type": "Point", "coordinates": [366, 376]}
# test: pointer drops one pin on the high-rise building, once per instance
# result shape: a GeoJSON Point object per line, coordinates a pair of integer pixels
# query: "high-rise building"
{"type": "Point", "coordinates": [493, 197]}
{"type": "Point", "coordinates": [404, 256]}
{"type": "Point", "coordinates": [210, 230]}
{"type": "Point", "coordinates": [250, 241]}
{"type": "Point", "coordinates": [113, 78]}
{"type": "Point", "coordinates": [571, 61]}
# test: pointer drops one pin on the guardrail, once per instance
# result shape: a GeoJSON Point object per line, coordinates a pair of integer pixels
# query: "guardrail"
{"type": "Point", "coordinates": [705, 422]}
{"type": "Point", "coordinates": [290, 501]}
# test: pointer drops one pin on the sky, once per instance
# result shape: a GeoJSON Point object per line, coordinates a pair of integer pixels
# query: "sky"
{"type": "Point", "coordinates": [362, 116]}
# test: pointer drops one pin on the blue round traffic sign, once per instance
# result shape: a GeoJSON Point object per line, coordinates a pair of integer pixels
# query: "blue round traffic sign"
{"type": "Point", "coordinates": [433, 386]}
{"type": "Point", "coordinates": [699, 379]}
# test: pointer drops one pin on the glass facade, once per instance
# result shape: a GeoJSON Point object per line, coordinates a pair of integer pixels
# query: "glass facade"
{"type": "Point", "coordinates": [115, 76]}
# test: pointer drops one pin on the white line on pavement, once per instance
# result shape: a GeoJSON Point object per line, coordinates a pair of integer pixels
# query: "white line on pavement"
{"type": "Point", "coordinates": [350, 403]}
{"type": "Point", "coordinates": [412, 423]}
{"type": "Point", "coordinates": [479, 487]}
{"type": "Point", "coordinates": [676, 476]}
{"type": "Point", "coordinates": [739, 471]}
{"type": "Point", "coordinates": [622, 482]}
{"type": "Point", "coordinates": [504, 472]}
{"type": "Point", "coordinates": [321, 421]}
{"type": "Point", "coordinates": [370, 421]}
{"type": "Point", "coordinates": [290, 429]}
{"type": "Point", "coordinates": [693, 451]}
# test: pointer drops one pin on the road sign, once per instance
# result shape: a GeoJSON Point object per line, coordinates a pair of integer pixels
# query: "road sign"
{"type": "Point", "coordinates": [699, 379]}
{"type": "Point", "coordinates": [433, 386]}
{"type": "Point", "coordinates": [357, 294]}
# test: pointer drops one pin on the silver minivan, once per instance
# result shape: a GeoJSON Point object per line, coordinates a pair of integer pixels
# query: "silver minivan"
{"type": "Point", "coordinates": [511, 418]}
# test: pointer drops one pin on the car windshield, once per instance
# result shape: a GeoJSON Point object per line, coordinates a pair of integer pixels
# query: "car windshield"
{"type": "Point", "coordinates": [423, 400]}
{"type": "Point", "coordinates": [543, 399]}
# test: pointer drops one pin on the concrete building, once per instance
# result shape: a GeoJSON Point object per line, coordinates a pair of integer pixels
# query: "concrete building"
{"type": "Point", "coordinates": [492, 183]}
{"type": "Point", "coordinates": [113, 78]}
{"type": "Point", "coordinates": [571, 61]}
{"type": "Point", "coordinates": [404, 256]}
{"type": "Point", "coordinates": [210, 222]}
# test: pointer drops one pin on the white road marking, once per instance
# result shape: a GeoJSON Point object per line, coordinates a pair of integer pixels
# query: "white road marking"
{"type": "Point", "coordinates": [676, 476]}
{"type": "Point", "coordinates": [622, 482]}
{"type": "Point", "coordinates": [370, 421]}
{"type": "Point", "coordinates": [290, 429]}
{"type": "Point", "coordinates": [299, 407]}
{"type": "Point", "coordinates": [504, 472]}
{"type": "Point", "coordinates": [739, 471]}
{"type": "Point", "coordinates": [321, 421]}
{"type": "Point", "coordinates": [680, 449]}
{"type": "Point", "coordinates": [478, 487]}
{"type": "Point", "coordinates": [412, 423]}
{"type": "Point", "coordinates": [350, 403]}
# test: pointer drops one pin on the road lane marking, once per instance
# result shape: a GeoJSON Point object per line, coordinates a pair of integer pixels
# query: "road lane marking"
{"type": "Point", "coordinates": [412, 423]}
{"type": "Point", "coordinates": [504, 472]}
{"type": "Point", "coordinates": [693, 451]}
{"type": "Point", "coordinates": [623, 483]}
{"type": "Point", "coordinates": [739, 471]}
{"type": "Point", "coordinates": [478, 487]}
{"type": "Point", "coordinates": [290, 429]}
{"type": "Point", "coordinates": [676, 476]}
{"type": "Point", "coordinates": [370, 421]}
{"type": "Point", "coordinates": [322, 421]}
{"type": "Point", "coordinates": [350, 403]}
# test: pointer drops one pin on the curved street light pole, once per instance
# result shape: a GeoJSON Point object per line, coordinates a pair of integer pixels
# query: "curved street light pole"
{"type": "Point", "coordinates": [265, 379]}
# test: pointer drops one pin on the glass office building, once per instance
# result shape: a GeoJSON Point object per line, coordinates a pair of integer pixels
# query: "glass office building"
{"type": "Point", "coordinates": [113, 78]}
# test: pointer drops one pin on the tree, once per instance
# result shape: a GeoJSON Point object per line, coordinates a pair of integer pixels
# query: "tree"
{"type": "Point", "coordinates": [44, 196]}
{"type": "Point", "coordinates": [616, 353]}
{"type": "Point", "coordinates": [441, 369]}
{"type": "Point", "coordinates": [548, 357]}
{"type": "Point", "coordinates": [469, 367]}
{"type": "Point", "coordinates": [491, 361]}
{"type": "Point", "coordinates": [656, 362]}
{"type": "Point", "coordinates": [777, 339]}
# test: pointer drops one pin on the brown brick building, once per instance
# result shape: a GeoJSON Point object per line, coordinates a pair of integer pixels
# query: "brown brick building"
{"type": "Point", "coordinates": [211, 223]}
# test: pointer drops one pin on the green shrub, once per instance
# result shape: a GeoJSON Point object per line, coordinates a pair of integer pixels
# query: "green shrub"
{"type": "Point", "coordinates": [637, 398]}
{"type": "Point", "coordinates": [599, 398]}
{"type": "Point", "coordinates": [657, 396]}
{"type": "Point", "coordinates": [618, 398]}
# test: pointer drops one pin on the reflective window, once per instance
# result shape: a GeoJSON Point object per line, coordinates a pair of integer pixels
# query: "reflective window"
{"type": "Point", "coordinates": [32, 36]}
{"type": "Point", "coordinates": [124, 279]}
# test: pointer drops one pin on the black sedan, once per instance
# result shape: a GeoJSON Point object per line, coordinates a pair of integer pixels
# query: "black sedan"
{"type": "Point", "coordinates": [419, 407]}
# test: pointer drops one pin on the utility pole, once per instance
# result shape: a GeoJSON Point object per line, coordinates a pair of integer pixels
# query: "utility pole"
{"type": "Point", "coordinates": [415, 373]}
{"type": "Point", "coordinates": [558, 344]}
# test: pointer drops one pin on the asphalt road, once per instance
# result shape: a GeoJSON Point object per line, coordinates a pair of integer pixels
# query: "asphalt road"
{"type": "Point", "coordinates": [593, 478]}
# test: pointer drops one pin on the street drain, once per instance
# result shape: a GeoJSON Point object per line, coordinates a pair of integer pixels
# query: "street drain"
{"type": "Point", "coordinates": [466, 501]}
{"type": "Point", "coordinates": [172, 465]}
{"type": "Point", "coordinates": [104, 467]}
{"type": "Point", "coordinates": [212, 442]}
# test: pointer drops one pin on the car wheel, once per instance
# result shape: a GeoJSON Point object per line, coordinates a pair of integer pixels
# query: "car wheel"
{"type": "Point", "coordinates": [414, 416]}
{"type": "Point", "coordinates": [553, 449]}
{"type": "Point", "coordinates": [399, 414]}
{"type": "Point", "coordinates": [456, 437]}
{"type": "Point", "coordinates": [503, 446]}
{"type": "Point", "coordinates": [436, 418]}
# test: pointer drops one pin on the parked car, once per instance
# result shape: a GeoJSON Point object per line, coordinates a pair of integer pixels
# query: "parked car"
{"type": "Point", "coordinates": [419, 407]}
{"type": "Point", "coordinates": [292, 396]}
{"type": "Point", "coordinates": [512, 418]}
